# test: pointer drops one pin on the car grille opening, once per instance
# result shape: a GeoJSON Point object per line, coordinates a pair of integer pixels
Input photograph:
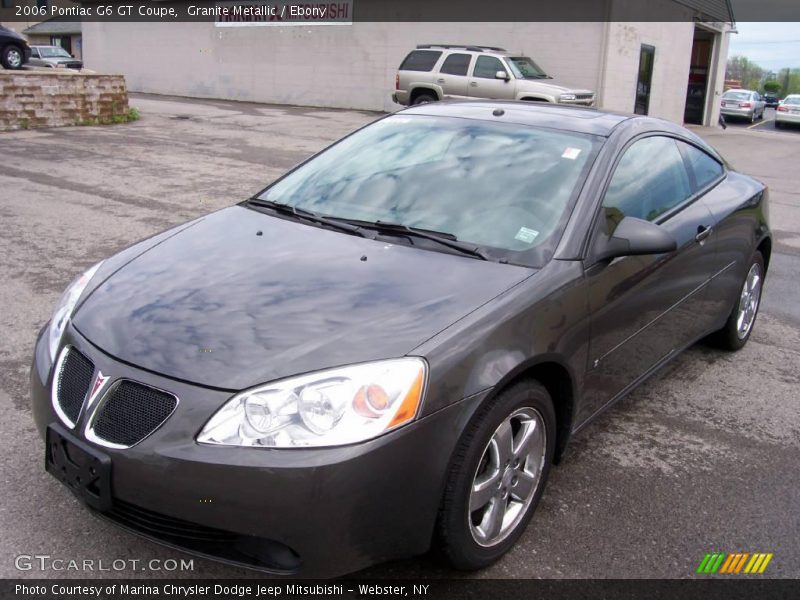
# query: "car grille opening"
{"type": "Point", "coordinates": [74, 379]}
{"type": "Point", "coordinates": [246, 550]}
{"type": "Point", "coordinates": [131, 413]}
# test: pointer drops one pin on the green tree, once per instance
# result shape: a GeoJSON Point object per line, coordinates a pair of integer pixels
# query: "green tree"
{"type": "Point", "coordinates": [772, 86]}
{"type": "Point", "coordinates": [790, 81]}
{"type": "Point", "coordinates": [743, 69]}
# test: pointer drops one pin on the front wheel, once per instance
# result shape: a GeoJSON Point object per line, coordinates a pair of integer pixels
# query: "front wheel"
{"type": "Point", "coordinates": [497, 477]}
{"type": "Point", "coordinates": [12, 57]}
{"type": "Point", "coordinates": [739, 326]}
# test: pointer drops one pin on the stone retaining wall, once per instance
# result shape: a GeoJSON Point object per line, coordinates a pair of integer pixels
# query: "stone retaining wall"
{"type": "Point", "coordinates": [53, 99]}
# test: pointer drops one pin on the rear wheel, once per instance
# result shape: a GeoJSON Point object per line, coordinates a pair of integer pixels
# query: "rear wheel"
{"type": "Point", "coordinates": [12, 57]}
{"type": "Point", "coordinates": [423, 99]}
{"type": "Point", "coordinates": [497, 477]}
{"type": "Point", "coordinates": [739, 326]}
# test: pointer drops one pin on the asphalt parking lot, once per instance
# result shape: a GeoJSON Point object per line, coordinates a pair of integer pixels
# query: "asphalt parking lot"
{"type": "Point", "coordinates": [767, 123]}
{"type": "Point", "coordinates": [702, 458]}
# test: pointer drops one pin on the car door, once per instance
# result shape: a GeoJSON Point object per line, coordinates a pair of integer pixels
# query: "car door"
{"type": "Point", "coordinates": [644, 308]}
{"type": "Point", "coordinates": [453, 75]}
{"type": "Point", "coordinates": [760, 103]}
{"type": "Point", "coordinates": [484, 82]}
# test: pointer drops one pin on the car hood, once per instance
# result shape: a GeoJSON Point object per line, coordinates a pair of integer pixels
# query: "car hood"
{"type": "Point", "coordinates": [241, 298]}
{"type": "Point", "coordinates": [553, 86]}
{"type": "Point", "coordinates": [4, 31]}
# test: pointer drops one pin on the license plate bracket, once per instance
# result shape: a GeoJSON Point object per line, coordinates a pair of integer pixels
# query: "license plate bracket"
{"type": "Point", "coordinates": [81, 468]}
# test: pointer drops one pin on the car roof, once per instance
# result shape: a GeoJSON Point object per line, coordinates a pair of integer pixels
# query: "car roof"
{"type": "Point", "coordinates": [541, 114]}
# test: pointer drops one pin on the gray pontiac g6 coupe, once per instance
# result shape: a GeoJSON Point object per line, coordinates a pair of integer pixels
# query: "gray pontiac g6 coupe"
{"type": "Point", "coordinates": [387, 348]}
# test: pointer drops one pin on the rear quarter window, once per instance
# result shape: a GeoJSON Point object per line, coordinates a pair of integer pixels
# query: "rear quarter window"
{"type": "Point", "coordinates": [705, 168]}
{"type": "Point", "coordinates": [420, 60]}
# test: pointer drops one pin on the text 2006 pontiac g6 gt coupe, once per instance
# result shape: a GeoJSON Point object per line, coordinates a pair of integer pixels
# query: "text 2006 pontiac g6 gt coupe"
{"type": "Point", "coordinates": [388, 347]}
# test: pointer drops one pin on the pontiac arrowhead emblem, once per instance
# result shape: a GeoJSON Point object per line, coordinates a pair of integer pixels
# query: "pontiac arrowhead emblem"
{"type": "Point", "coordinates": [98, 384]}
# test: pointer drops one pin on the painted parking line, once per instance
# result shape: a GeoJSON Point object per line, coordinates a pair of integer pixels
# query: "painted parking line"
{"type": "Point", "coordinates": [763, 122]}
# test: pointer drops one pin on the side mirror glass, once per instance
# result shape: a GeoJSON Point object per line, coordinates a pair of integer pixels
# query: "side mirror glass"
{"type": "Point", "coordinates": [635, 237]}
{"type": "Point", "coordinates": [501, 75]}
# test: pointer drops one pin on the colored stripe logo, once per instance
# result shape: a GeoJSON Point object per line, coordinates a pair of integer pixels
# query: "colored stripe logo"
{"type": "Point", "coordinates": [734, 563]}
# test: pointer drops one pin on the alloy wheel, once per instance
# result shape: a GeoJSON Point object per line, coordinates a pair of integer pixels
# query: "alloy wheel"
{"type": "Point", "coordinates": [507, 476]}
{"type": "Point", "coordinates": [748, 301]}
{"type": "Point", "coordinates": [14, 58]}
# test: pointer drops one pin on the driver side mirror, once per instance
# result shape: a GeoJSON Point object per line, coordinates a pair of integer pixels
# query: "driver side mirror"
{"type": "Point", "coordinates": [635, 237]}
{"type": "Point", "coordinates": [502, 75]}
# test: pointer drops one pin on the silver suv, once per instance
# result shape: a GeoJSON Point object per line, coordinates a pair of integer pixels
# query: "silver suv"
{"type": "Point", "coordinates": [439, 71]}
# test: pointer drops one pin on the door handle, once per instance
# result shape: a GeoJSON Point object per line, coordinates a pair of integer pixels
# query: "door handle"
{"type": "Point", "coordinates": [440, 81]}
{"type": "Point", "coordinates": [703, 232]}
{"type": "Point", "coordinates": [473, 83]}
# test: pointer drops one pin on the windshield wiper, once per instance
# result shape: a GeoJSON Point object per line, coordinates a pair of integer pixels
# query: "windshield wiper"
{"type": "Point", "coordinates": [445, 239]}
{"type": "Point", "coordinates": [309, 215]}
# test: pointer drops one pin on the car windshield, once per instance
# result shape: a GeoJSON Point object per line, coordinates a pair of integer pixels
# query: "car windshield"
{"type": "Point", "coordinates": [498, 185]}
{"type": "Point", "coordinates": [54, 53]}
{"type": "Point", "coordinates": [794, 100]}
{"type": "Point", "coordinates": [736, 96]}
{"type": "Point", "coordinates": [524, 68]}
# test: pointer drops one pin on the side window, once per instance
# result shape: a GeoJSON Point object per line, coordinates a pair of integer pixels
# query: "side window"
{"type": "Point", "coordinates": [705, 168]}
{"type": "Point", "coordinates": [456, 64]}
{"type": "Point", "coordinates": [420, 60]}
{"type": "Point", "coordinates": [649, 180]}
{"type": "Point", "coordinates": [487, 66]}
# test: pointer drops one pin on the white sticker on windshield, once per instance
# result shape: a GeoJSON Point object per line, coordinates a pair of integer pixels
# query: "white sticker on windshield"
{"type": "Point", "coordinates": [526, 235]}
{"type": "Point", "coordinates": [571, 153]}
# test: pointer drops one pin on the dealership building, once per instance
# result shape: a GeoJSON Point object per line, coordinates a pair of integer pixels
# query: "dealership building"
{"type": "Point", "coordinates": [673, 68]}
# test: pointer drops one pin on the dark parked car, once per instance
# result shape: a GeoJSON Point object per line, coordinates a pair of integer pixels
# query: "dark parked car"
{"type": "Point", "coordinates": [389, 346]}
{"type": "Point", "coordinates": [771, 99]}
{"type": "Point", "coordinates": [14, 50]}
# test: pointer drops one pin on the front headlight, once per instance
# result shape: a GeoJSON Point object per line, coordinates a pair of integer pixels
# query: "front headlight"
{"type": "Point", "coordinates": [328, 408]}
{"type": "Point", "coordinates": [64, 308]}
{"type": "Point", "coordinates": [567, 97]}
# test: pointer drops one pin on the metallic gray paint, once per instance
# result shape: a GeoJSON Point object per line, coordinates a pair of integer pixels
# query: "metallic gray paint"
{"type": "Point", "coordinates": [299, 298]}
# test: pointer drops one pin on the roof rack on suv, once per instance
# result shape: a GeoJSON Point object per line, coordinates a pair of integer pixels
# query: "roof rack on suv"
{"type": "Point", "coordinates": [461, 47]}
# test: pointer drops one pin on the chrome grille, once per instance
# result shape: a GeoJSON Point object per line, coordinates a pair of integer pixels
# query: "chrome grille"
{"type": "Point", "coordinates": [73, 380]}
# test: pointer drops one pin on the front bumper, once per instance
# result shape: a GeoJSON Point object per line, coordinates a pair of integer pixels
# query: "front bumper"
{"type": "Point", "coordinates": [308, 512]}
{"type": "Point", "coordinates": [578, 102]}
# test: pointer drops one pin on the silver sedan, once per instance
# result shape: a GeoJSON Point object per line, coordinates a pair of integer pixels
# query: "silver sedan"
{"type": "Point", "coordinates": [744, 104]}
{"type": "Point", "coordinates": [788, 111]}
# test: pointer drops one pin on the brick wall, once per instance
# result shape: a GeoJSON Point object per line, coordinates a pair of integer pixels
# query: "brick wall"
{"type": "Point", "coordinates": [53, 99]}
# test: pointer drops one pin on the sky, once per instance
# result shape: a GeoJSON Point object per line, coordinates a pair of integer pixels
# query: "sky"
{"type": "Point", "coordinates": [771, 45]}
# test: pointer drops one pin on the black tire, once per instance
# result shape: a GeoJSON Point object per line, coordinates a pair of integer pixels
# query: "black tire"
{"type": "Point", "coordinates": [753, 117]}
{"type": "Point", "coordinates": [424, 99]}
{"type": "Point", "coordinates": [778, 125]}
{"type": "Point", "coordinates": [12, 57]}
{"type": "Point", "coordinates": [730, 337]}
{"type": "Point", "coordinates": [455, 538]}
